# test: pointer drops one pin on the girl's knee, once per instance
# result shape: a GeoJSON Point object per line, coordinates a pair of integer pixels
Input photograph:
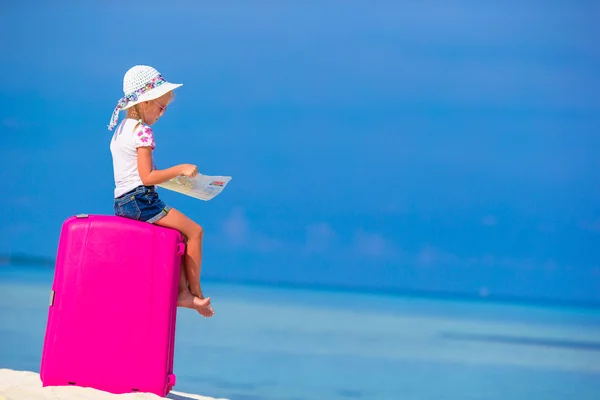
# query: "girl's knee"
{"type": "Point", "coordinates": [197, 233]}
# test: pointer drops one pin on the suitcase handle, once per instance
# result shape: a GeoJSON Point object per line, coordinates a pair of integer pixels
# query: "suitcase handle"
{"type": "Point", "coordinates": [180, 249]}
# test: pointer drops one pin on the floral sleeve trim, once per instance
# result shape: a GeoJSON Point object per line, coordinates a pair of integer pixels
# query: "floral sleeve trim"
{"type": "Point", "coordinates": [144, 137]}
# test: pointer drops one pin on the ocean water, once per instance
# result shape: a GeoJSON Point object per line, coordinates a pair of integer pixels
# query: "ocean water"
{"type": "Point", "coordinates": [288, 344]}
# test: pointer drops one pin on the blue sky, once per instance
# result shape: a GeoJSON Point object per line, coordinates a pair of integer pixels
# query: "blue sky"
{"type": "Point", "coordinates": [424, 145]}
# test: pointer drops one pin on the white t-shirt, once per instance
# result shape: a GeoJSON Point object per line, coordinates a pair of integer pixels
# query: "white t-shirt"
{"type": "Point", "coordinates": [123, 147]}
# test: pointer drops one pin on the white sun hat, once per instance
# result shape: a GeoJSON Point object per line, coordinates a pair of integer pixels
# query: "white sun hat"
{"type": "Point", "coordinates": [141, 83]}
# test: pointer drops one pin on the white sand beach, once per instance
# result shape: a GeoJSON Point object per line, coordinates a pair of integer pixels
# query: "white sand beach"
{"type": "Point", "coordinates": [25, 385]}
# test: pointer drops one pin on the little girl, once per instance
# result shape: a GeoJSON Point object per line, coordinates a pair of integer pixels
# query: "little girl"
{"type": "Point", "coordinates": [146, 97]}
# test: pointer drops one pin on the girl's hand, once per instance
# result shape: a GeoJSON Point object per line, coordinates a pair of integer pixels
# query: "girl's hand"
{"type": "Point", "coordinates": [189, 170]}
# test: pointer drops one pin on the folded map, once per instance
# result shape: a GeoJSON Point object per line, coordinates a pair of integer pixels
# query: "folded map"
{"type": "Point", "coordinates": [201, 187]}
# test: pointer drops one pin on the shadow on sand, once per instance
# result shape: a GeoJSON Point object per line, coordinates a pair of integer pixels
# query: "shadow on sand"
{"type": "Point", "coordinates": [174, 395]}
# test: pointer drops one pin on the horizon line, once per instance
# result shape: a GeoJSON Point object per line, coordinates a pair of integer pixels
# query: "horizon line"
{"type": "Point", "coordinates": [396, 291]}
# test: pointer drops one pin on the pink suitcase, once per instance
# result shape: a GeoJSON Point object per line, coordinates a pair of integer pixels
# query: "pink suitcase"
{"type": "Point", "coordinates": [113, 306]}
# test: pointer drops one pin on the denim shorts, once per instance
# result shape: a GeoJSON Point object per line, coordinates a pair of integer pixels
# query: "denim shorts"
{"type": "Point", "coordinates": [142, 204]}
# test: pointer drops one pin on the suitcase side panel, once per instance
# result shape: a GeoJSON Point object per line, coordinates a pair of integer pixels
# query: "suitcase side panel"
{"type": "Point", "coordinates": [71, 246]}
{"type": "Point", "coordinates": [118, 308]}
{"type": "Point", "coordinates": [177, 265]}
{"type": "Point", "coordinates": [168, 262]}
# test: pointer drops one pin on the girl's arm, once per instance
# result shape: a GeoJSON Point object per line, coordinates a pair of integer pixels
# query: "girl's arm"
{"type": "Point", "coordinates": [151, 177]}
{"type": "Point", "coordinates": [144, 142]}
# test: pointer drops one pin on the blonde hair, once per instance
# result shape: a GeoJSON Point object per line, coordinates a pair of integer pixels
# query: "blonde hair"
{"type": "Point", "coordinates": [136, 111]}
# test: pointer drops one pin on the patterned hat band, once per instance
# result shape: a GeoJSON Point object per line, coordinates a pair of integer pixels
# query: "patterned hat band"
{"type": "Point", "coordinates": [133, 97]}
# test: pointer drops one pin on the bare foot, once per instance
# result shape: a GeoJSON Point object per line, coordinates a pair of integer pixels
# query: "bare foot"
{"type": "Point", "coordinates": [188, 300]}
{"type": "Point", "coordinates": [203, 306]}
{"type": "Point", "coordinates": [206, 309]}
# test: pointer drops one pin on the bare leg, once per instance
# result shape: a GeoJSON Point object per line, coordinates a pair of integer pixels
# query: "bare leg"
{"type": "Point", "coordinates": [185, 298]}
{"type": "Point", "coordinates": [193, 254]}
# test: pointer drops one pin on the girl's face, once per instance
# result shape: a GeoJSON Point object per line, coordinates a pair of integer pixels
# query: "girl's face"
{"type": "Point", "coordinates": [154, 109]}
{"type": "Point", "coordinates": [150, 111]}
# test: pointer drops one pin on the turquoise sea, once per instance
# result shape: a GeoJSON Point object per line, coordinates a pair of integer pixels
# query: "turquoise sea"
{"type": "Point", "coordinates": [274, 343]}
